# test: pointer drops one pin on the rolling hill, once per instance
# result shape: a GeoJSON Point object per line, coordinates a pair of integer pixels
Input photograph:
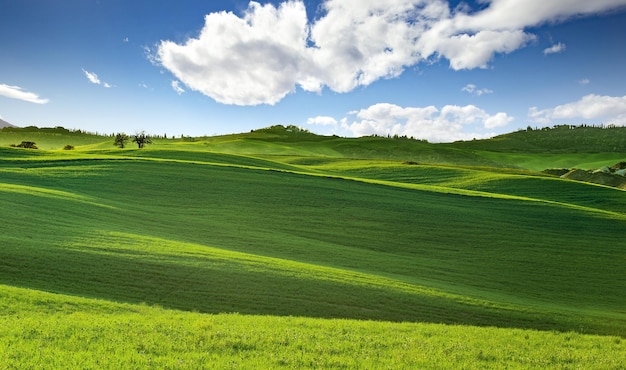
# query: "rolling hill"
{"type": "Point", "coordinates": [557, 139]}
{"type": "Point", "coordinates": [259, 248]}
{"type": "Point", "coordinates": [4, 124]}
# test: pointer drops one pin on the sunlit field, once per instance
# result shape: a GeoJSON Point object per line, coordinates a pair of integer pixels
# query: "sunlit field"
{"type": "Point", "coordinates": [280, 249]}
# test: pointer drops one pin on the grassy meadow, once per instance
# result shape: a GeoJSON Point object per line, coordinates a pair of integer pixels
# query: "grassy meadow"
{"type": "Point", "coordinates": [283, 249]}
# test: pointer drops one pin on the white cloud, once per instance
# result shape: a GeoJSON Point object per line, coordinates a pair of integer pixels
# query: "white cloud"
{"type": "Point", "coordinates": [497, 120]}
{"type": "Point", "coordinates": [152, 56]}
{"type": "Point", "coordinates": [609, 109]}
{"type": "Point", "coordinates": [516, 14]}
{"type": "Point", "coordinates": [16, 92]}
{"type": "Point", "coordinates": [246, 61]}
{"type": "Point", "coordinates": [469, 51]}
{"type": "Point", "coordinates": [471, 88]}
{"type": "Point", "coordinates": [357, 43]}
{"type": "Point", "coordinates": [555, 49]}
{"type": "Point", "coordinates": [436, 125]}
{"type": "Point", "coordinates": [176, 86]}
{"type": "Point", "coordinates": [269, 51]}
{"type": "Point", "coordinates": [93, 78]}
{"type": "Point", "coordinates": [584, 81]}
{"type": "Point", "coordinates": [322, 120]}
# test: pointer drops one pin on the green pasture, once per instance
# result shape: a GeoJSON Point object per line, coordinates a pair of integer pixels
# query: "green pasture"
{"type": "Point", "coordinates": [542, 161]}
{"type": "Point", "coordinates": [530, 150]}
{"type": "Point", "coordinates": [560, 139]}
{"type": "Point", "coordinates": [309, 234]}
{"type": "Point", "coordinates": [49, 138]}
{"type": "Point", "coordinates": [43, 330]}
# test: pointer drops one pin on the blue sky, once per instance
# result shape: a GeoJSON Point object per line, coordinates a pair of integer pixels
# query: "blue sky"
{"type": "Point", "coordinates": [431, 69]}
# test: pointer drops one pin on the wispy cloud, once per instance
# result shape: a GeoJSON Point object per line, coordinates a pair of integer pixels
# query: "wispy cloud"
{"type": "Point", "coordinates": [609, 109]}
{"type": "Point", "coordinates": [269, 51]}
{"type": "Point", "coordinates": [176, 86]}
{"type": "Point", "coordinates": [152, 56]}
{"type": "Point", "coordinates": [430, 123]}
{"type": "Point", "coordinates": [94, 79]}
{"type": "Point", "coordinates": [555, 49]}
{"type": "Point", "coordinates": [16, 92]}
{"type": "Point", "coordinates": [471, 88]}
{"type": "Point", "coordinates": [584, 81]}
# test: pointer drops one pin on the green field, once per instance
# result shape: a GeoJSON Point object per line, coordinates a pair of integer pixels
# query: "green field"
{"type": "Point", "coordinates": [280, 248]}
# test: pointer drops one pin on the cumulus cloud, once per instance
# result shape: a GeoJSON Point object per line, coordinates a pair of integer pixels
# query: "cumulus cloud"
{"type": "Point", "coordinates": [471, 88]}
{"type": "Point", "coordinates": [269, 51]}
{"type": "Point", "coordinates": [176, 86]}
{"type": "Point", "coordinates": [246, 61]}
{"type": "Point", "coordinates": [609, 109]}
{"type": "Point", "coordinates": [93, 78]}
{"type": "Point", "coordinates": [497, 120]}
{"type": "Point", "coordinates": [437, 125]}
{"type": "Point", "coordinates": [16, 92]}
{"type": "Point", "coordinates": [555, 49]}
{"type": "Point", "coordinates": [322, 120]}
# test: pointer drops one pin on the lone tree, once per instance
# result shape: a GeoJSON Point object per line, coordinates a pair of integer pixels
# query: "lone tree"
{"type": "Point", "coordinates": [121, 139]}
{"type": "Point", "coordinates": [141, 139]}
{"type": "Point", "coordinates": [27, 145]}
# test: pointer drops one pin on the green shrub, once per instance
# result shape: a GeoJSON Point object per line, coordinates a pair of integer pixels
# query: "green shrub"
{"type": "Point", "coordinates": [27, 145]}
{"type": "Point", "coordinates": [68, 147]}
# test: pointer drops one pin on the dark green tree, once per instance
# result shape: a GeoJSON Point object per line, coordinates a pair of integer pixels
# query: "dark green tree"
{"type": "Point", "coordinates": [27, 145]}
{"type": "Point", "coordinates": [121, 139]}
{"type": "Point", "coordinates": [141, 139]}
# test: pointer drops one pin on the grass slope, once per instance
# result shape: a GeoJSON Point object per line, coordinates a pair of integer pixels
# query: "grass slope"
{"type": "Point", "coordinates": [561, 146]}
{"type": "Point", "coordinates": [557, 139]}
{"type": "Point", "coordinates": [48, 138]}
{"type": "Point", "coordinates": [405, 235]}
{"type": "Point", "coordinates": [300, 229]}
{"type": "Point", "coordinates": [43, 330]}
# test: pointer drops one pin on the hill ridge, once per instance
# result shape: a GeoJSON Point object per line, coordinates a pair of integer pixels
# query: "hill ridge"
{"type": "Point", "coordinates": [556, 139]}
{"type": "Point", "coordinates": [4, 124]}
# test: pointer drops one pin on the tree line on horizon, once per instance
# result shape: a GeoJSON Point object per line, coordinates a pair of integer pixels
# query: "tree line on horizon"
{"type": "Point", "coordinates": [558, 137]}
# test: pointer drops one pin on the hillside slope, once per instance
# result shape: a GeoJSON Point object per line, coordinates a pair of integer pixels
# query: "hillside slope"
{"type": "Point", "coordinates": [557, 139]}
{"type": "Point", "coordinates": [43, 330]}
{"type": "Point", "coordinates": [4, 124]}
{"type": "Point", "coordinates": [284, 249]}
{"type": "Point", "coordinates": [560, 147]}
{"type": "Point", "coordinates": [194, 230]}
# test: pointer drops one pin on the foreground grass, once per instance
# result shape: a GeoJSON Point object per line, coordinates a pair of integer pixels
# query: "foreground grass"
{"type": "Point", "coordinates": [54, 331]}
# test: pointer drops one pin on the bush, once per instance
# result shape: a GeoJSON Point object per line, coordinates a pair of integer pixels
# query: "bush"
{"type": "Point", "coordinates": [68, 147]}
{"type": "Point", "coordinates": [27, 145]}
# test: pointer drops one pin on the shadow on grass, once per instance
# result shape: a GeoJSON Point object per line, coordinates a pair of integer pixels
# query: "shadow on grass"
{"type": "Point", "coordinates": [192, 283]}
